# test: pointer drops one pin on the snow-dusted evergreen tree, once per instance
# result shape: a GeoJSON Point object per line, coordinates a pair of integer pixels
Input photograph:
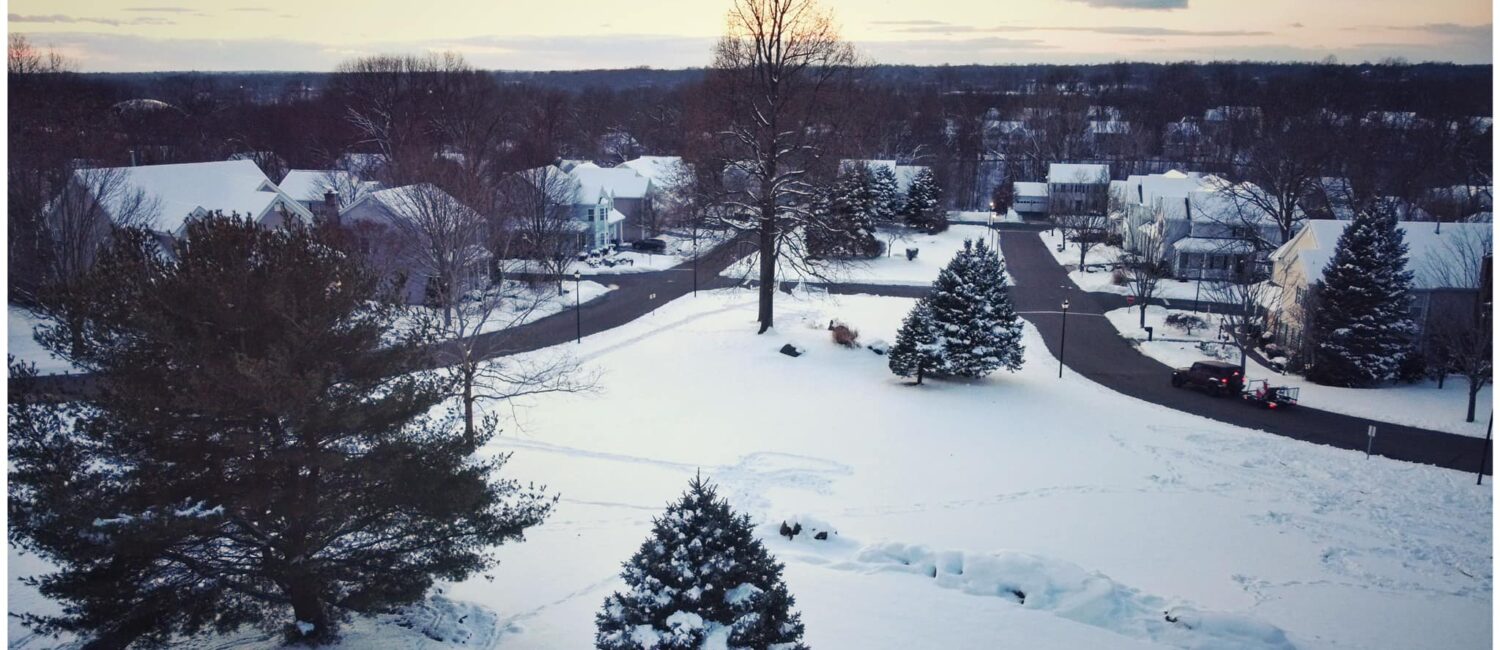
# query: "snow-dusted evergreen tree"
{"type": "Point", "coordinates": [917, 352]}
{"type": "Point", "coordinates": [1361, 327]}
{"type": "Point", "coordinates": [923, 203]}
{"type": "Point", "coordinates": [977, 324]}
{"type": "Point", "coordinates": [885, 193]}
{"type": "Point", "coordinates": [701, 577]}
{"type": "Point", "coordinates": [844, 217]}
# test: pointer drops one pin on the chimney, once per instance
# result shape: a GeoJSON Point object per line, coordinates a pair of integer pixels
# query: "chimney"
{"type": "Point", "coordinates": [331, 206]}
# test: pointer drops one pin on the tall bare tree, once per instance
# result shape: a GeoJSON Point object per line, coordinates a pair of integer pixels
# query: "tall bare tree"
{"type": "Point", "coordinates": [1145, 263]}
{"type": "Point", "coordinates": [1244, 296]}
{"type": "Point", "coordinates": [774, 81]}
{"type": "Point", "coordinates": [93, 204]}
{"type": "Point", "coordinates": [446, 240]}
{"type": "Point", "coordinates": [540, 224]}
{"type": "Point", "coordinates": [1462, 339]}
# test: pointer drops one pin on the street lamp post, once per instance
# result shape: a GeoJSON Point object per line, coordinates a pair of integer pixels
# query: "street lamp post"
{"type": "Point", "coordinates": [695, 260]}
{"type": "Point", "coordinates": [1062, 346]}
{"type": "Point", "coordinates": [578, 303]}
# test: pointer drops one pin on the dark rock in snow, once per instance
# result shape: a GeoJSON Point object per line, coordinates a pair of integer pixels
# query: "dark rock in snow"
{"type": "Point", "coordinates": [791, 350]}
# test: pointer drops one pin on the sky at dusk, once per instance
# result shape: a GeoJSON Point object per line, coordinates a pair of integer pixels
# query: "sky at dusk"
{"type": "Point", "coordinates": [141, 35]}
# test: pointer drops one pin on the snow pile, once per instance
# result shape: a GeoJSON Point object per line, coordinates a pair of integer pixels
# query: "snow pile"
{"type": "Point", "coordinates": [1068, 591]}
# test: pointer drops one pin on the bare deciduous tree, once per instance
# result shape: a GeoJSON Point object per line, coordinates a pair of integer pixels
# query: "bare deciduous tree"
{"type": "Point", "coordinates": [1462, 339]}
{"type": "Point", "coordinates": [446, 240]}
{"type": "Point", "coordinates": [1244, 318]}
{"type": "Point", "coordinates": [773, 82]}
{"type": "Point", "coordinates": [540, 225]}
{"type": "Point", "coordinates": [91, 206]}
{"type": "Point", "coordinates": [1145, 263]}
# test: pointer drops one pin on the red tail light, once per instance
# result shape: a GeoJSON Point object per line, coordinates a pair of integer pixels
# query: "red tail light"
{"type": "Point", "coordinates": [1271, 405]}
{"type": "Point", "coordinates": [1223, 381]}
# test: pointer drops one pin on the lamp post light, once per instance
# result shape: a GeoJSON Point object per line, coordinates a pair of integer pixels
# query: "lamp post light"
{"type": "Point", "coordinates": [578, 303]}
{"type": "Point", "coordinates": [1062, 346]}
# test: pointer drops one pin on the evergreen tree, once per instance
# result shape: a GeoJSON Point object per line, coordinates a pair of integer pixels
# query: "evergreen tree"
{"type": "Point", "coordinates": [917, 352]}
{"type": "Point", "coordinates": [978, 327]}
{"type": "Point", "coordinates": [256, 448]}
{"type": "Point", "coordinates": [844, 216]}
{"type": "Point", "coordinates": [1361, 328]}
{"type": "Point", "coordinates": [922, 209]}
{"type": "Point", "coordinates": [701, 575]}
{"type": "Point", "coordinates": [885, 194]}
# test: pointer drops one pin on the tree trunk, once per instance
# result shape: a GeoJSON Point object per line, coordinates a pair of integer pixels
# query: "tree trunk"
{"type": "Point", "coordinates": [308, 608]}
{"type": "Point", "coordinates": [919, 374]}
{"type": "Point", "coordinates": [1474, 387]}
{"type": "Point", "coordinates": [767, 265]}
{"type": "Point", "coordinates": [468, 398]}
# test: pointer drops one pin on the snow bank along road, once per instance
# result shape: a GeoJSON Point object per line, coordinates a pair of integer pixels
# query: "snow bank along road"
{"type": "Point", "coordinates": [1096, 351]}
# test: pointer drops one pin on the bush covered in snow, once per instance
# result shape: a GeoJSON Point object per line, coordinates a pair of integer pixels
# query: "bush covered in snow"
{"type": "Point", "coordinates": [701, 580]}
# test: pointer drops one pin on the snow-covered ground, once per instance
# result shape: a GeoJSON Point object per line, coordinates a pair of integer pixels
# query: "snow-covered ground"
{"type": "Point", "coordinates": [950, 498]}
{"type": "Point", "coordinates": [22, 343]}
{"type": "Point", "coordinates": [982, 217]}
{"type": "Point", "coordinates": [933, 253]}
{"type": "Point", "coordinates": [679, 251]}
{"type": "Point", "coordinates": [1101, 279]}
{"type": "Point", "coordinates": [1421, 404]}
{"type": "Point", "coordinates": [521, 304]}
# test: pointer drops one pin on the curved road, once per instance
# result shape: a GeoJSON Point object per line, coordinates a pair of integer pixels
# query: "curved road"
{"type": "Point", "coordinates": [1096, 351]}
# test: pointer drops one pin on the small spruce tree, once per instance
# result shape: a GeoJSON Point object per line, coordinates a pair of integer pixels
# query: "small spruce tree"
{"type": "Point", "coordinates": [979, 329]}
{"type": "Point", "coordinates": [844, 217]}
{"type": "Point", "coordinates": [885, 193]}
{"type": "Point", "coordinates": [701, 575]}
{"type": "Point", "coordinates": [923, 200]}
{"type": "Point", "coordinates": [1361, 326]}
{"type": "Point", "coordinates": [917, 352]}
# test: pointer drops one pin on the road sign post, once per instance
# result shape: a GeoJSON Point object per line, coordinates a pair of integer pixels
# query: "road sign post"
{"type": "Point", "coordinates": [1370, 443]}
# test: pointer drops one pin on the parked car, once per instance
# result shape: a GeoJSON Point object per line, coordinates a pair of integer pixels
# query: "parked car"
{"type": "Point", "coordinates": [652, 245]}
{"type": "Point", "coordinates": [1217, 378]}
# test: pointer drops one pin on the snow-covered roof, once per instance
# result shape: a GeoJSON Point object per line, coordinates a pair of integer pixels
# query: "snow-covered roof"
{"type": "Point", "coordinates": [1107, 127]}
{"type": "Point", "coordinates": [659, 169]}
{"type": "Point", "coordinates": [1426, 247]}
{"type": "Point", "coordinates": [619, 182]}
{"type": "Point", "coordinates": [1077, 173]}
{"type": "Point", "coordinates": [409, 201]}
{"type": "Point", "coordinates": [1167, 188]}
{"type": "Point", "coordinates": [311, 184]}
{"type": "Point", "coordinates": [1025, 188]}
{"type": "Point", "coordinates": [186, 189]}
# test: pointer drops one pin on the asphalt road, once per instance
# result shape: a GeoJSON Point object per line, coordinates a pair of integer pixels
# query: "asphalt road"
{"type": "Point", "coordinates": [1096, 351]}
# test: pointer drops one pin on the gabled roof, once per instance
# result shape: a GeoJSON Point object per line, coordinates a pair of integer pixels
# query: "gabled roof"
{"type": "Point", "coordinates": [187, 189]}
{"type": "Point", "coordinates": [408, 201]}
{"type": "Point", "coordinates": [659, 169]}
{"type": "Point", "coordinates": [311, 184]}
{"type": "Point", "coordinates": [619, 182]}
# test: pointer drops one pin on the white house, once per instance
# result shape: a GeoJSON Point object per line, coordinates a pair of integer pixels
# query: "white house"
{"type": "Point", "coordinates": [630, 195]}
{"type": "Point", "coordinates": [1145, 199]}
{"type": "Point", "coordinates": [1030, 198]}
{"type": "Point", "coordinates": [1074, 188]}
{"type": "Point", "coordinates": [178, 192]}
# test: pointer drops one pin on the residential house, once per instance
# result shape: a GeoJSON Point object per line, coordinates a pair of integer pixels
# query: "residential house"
{"type": "Point", "coordinates": [1215, 237]}
{"type": "Point", "coordinates": [1441, 287]}
{"type": "Point", "coordinates": [324, 192]}
{"type": "Point", "coordinates": [1183, 140]}
{"type": "Point", "coordinates": [1074, 189]}
{"type": "Point", "coordinates": [1030, 199]}
{"type": "Point", "coordinates": [590, 207]}
{"type": "Point", "coordinates": [1107, 137]}
{"type": "Point", "coordinates": [387, 225]}
{"type": "Point", "coordinates": [1143, 200]}
{"type": "Point", "coordinates": [178, 192]}
{"type": "Point", "coordinates": [631, 194]}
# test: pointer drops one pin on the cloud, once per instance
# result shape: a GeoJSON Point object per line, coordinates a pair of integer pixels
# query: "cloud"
{"type": "Point", "coordinates": [174, 10]}
{"type": "Point", "coordinates": [1123, 30]}
{"type": "Point", "coordinates": [1137, 4]}
{"type": "Point", "coordinates": [908, 22]}
{"type": "Point", "coordinates": [62, 19]}
{"type": "Point", "coordinates": [256, 9]}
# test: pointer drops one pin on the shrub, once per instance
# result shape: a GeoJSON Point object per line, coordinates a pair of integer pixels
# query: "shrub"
{"type": "Point", "coordinates": [844, 335]}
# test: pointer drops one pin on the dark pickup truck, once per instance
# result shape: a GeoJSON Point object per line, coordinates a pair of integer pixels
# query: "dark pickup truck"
{"type": "Point", "coordinates": [1214, 377]}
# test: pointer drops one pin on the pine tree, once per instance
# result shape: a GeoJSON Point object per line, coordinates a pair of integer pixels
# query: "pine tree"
{"type": "Point", "coordinates": [1361, 327]}
{"type": "Point", "coordinates": [978, 327]}
{"type": "Point", "coordinates": [844, 216]}
{"type": "Point", "coordinates": [917, 352]}
{"type": "Point", "coordinates": [923, 200]}
{"type": "Point", "coordinates": [885, 194]}
{"type": "Point", "coordinates": [256, 448]}
{"type": "Point", "coordinates": [701, 575]}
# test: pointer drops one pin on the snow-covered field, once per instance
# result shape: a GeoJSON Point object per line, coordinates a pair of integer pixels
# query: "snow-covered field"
{"type": "Point", "coordinates": [1420, 405]}
{"type": "Point", "coordinates": [522, 304]}
{"type": "Point", "coordinates": [21, 326]}
{"type": "Point", "coordinates": [933, 253]}
{"type": "Point", "coordinates": [949, 498]}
